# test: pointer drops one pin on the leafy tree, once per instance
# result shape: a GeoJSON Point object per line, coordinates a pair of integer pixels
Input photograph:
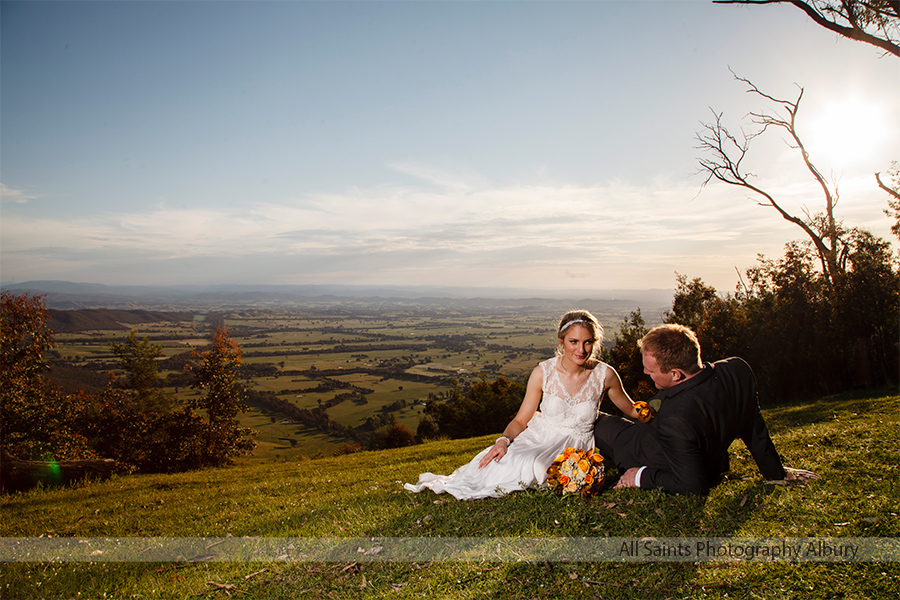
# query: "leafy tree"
{"type": "Point", "coordinates": [716, 320]}
{"type": "Point", "coordinates": [24, 338]}
{"type": "Point", "coordinates": [216, 373]}
{"type": "Point", "coordinates": [626, 358]}
{"type": "Point", "coordinates": [485, 408]}
{"type": "Point", "coordinates": [116, 428]}
{"type": "Point", "coordinates": [802, 335]}
{"type": "Point", "coordinates": [867, 306]}
{"type": "Point", "coordinates": [176, 442]}
{"type": "Point", "coordinates": [426, 429]}
{"type": "Point", "coordinates": [138, 358]}
{"type": "Point", "coordinates": [875, 22]}
{"type": "Point", "coordinates": [398, 436]}
{"type": "Point", "coordinates": [131, 419]}
{"type": "Point", "coordinates": [693, 300]}
{"type": "Point", "coordinates": [793, 344]}
{"type": "Point", "coordinates": [149, 442]}
{"type": "Point", "coordinates": [835, 288]}
{"type": "Point", "coordinates": [35, 418]}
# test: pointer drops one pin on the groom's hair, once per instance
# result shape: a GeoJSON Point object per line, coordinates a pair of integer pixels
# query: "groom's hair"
{"type": "Point", "coordinates": [674, 347]}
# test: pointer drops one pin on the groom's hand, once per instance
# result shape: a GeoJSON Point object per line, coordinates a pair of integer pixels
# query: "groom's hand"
{"type": "Point", "coordinates": [794, 476]}
{"type": "Point", "coordinates": [627, 479]}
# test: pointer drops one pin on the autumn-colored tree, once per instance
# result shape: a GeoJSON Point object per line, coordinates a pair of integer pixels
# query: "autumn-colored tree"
{"type": "Point", "coordinates": [35, 419]}
{"type": "Point", "coordinates": [24, 338]}
{"type": "Point", "coordinates": [216, 374]}
{"type": "Point", "coordinates": [131, 419]}
{"type": "Point", "coordinates": [398, 436]}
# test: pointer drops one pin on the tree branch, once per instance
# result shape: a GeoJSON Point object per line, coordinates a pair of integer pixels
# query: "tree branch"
{"type": "Point", "coordinates": [884, 186]}
{"type": "Point", "coordinates": [725, 165]}
{"type": "Point", "coordinates": [855, 30]}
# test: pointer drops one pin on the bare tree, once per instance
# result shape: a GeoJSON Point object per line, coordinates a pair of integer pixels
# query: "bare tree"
{"type": "Point", "coordinates": [875, 22]}
{"type": "Point", "coordinates": [893, 209]}
{"type": "Point", "coordinates": [726, 153]}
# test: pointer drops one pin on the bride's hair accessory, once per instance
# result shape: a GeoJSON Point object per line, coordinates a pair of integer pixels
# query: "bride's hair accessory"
{"type": "Point", "coordinates": [570, 323]}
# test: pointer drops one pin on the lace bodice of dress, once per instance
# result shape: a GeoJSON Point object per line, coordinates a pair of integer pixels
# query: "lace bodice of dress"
{"type": "Point", "coordinates": [564, 411]}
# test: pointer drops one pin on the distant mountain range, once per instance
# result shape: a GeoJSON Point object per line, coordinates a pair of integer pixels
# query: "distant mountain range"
{"type": "Point", "coordinates": [63, 295]}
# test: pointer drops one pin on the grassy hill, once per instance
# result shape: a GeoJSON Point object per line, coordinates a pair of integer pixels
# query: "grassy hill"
{"type": "Point", "coordinates": [850, 440]}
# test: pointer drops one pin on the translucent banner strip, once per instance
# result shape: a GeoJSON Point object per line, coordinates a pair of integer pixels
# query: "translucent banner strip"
{"type": "Point", "coordinates": [441, 549]}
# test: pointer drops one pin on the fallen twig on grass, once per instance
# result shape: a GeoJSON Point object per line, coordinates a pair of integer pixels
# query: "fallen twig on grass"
{"type": "Point", "coordinates": [255, 574]}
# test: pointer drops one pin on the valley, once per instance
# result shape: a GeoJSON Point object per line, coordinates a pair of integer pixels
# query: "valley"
{"type": "Point", "coordinates": [366, 365]}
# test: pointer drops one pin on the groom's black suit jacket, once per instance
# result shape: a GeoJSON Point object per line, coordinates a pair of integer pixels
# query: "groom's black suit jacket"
{"type": "Point", "coordinates": [685, 446]}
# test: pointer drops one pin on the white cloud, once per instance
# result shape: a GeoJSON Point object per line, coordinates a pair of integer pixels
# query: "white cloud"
{"type": "Point", "coordinates": [8, 194]}
{"type": "Point", "coordinates": [464, 232]}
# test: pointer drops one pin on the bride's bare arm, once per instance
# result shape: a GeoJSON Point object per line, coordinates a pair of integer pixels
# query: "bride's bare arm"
{"type": "Point", "coordinates": [618, 395]}
{"type": "Point", "coordinates": [529, 406]}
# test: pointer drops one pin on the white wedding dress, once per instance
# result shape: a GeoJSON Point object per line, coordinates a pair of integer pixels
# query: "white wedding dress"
{"type": "Point", "coordinates": [562, 421]}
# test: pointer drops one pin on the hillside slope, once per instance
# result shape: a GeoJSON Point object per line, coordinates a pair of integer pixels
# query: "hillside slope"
{"type": "Point", "coordinates": [849, 440]}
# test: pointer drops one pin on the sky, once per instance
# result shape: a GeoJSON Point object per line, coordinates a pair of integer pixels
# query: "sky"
{"type": "Point", "coordinates": [537, 145]}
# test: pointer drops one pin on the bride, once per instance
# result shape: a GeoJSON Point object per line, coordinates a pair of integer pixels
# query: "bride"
{"type": "Point", "coordinates": [567, 389]}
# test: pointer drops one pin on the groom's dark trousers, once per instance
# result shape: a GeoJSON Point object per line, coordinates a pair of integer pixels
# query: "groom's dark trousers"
{"type": "Point", "coordinates": [685, 446]}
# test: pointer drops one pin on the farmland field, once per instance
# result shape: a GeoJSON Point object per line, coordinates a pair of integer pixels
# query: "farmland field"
{"type": "Point", "coordinates": [363, 367]}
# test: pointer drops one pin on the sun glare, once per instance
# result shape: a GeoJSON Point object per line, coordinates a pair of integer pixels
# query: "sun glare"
{"type": "Point", "coordinates": [846, 132]}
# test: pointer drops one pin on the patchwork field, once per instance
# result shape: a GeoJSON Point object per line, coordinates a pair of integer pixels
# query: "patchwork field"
{"type": "Point", "coordinates": [361, 367]}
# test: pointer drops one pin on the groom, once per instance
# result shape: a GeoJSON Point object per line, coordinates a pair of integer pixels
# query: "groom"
{"type": "Point", "coordinates": [684, 448]}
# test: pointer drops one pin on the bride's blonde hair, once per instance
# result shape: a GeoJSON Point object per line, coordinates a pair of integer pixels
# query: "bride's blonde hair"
{"type": "Point", "coordinates": [585, 319]}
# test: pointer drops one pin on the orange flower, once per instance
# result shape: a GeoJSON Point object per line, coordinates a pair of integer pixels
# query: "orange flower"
{"type": "Point", "coordinates": [577, 471]}
{"type": "Point", "coordinates": [644, 411]}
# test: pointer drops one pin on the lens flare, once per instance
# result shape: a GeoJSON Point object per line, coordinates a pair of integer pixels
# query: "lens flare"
{"type": "Point", "coordinates": [54, 472]}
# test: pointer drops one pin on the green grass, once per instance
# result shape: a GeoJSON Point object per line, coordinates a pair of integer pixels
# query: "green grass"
{"type": "Point", "coordinates": [849, 440]}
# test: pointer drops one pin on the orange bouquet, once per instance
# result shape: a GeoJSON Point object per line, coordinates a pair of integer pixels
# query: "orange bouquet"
{"type": "Point", "coordinates": [577, 472]}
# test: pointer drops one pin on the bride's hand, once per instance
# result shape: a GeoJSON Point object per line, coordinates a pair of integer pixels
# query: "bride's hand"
{"type": "Point", "coordinates": [497, 451]}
